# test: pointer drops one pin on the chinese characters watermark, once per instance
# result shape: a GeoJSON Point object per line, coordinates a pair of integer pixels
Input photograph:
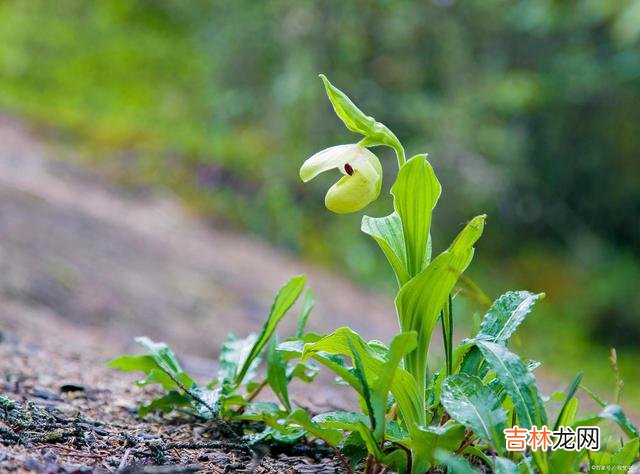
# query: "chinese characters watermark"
{"type": "Point", "coordinates": [564, 438]}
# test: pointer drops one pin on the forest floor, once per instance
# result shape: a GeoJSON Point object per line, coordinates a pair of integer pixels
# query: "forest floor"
{"type": "Point", "coordinates": [85, 266]}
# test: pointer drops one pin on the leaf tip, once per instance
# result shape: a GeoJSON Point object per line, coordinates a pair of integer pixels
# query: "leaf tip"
{"type": "Point", "coordinates": [326, 81]}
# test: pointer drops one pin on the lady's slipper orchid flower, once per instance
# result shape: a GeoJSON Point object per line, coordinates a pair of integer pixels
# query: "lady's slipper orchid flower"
{"type": "Point", "coordinates": [362, 178]}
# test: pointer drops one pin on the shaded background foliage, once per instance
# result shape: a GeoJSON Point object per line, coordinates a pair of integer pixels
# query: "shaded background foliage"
{"type": "Point", "coordinates": [529, 110]}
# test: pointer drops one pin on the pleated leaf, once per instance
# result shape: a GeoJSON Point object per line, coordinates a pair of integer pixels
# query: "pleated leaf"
{"type": "Point", "coordinates": [387, 232]}
{"type": "Point", "coordinates": [415, 193]}
{"type": "Point", "coordinates": [498, 325]}
{"type": "Point", "coordinates": [518, 382]}
{"type": "Point", "coordinates": [346, 342]}
{"type": "Point", "coordinates": [470, 402]}
{"type": "Point", "coordinates": [506, 314]}
{"type": "Point", "coordinates": [420, 301]}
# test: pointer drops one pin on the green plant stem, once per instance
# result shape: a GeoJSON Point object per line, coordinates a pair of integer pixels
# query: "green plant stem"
{"type": "Point", "coordinates": [257, 391]}
{"type": "Point", "coordinates": [617, 392]}
{"type": "Point", "coordinates": [198, 399]}
{"type": "Point", "coordinates": [593, 396]}
{"type": "Point", "coordinates": [446, 317]}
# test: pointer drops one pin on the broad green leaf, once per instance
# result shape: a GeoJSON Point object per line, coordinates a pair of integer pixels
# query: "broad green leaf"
{"type": "Point", "coordinates": [505, 466]}
{"type": "Point", "coordinates": [361, 374]}
{"type": "Point", "coordinates": [498, 325]}
{"type": "Point", "coordinates": [160, 365]}
{"type": "Point", "coordinates": [571, 391]}
{"type": "Point", "coordinates": [211, 399]}
{"type": "Point", "coordinates": [275, 431]}
{"type": "Point", "coordinates": [160, 377]}
{"type": "Point", "coordinates": [277, 374]}
{"type": "Point", "coordinates": [331, 436]}
{"type": "Point", "coordinates": [478, 452]}
{"type": "Point", "coordinates": [353, 447]}
{"type": "Point", "coordinates": [292, 347]}
{"type": "Point", "coordinates": [381, 384]}
{"type": "Point", "coordinates": [338, 367]}
{"type": "Point", "coordinates": [166, 360]}
{"type": "Point", "coordinates": [518, 382]}
{"type": "Point", "coordinates": [233, 354]}
{"type": "Point", "coordinates": [506, 314]}
{"type": "Point", "coordinates": [161, 354]}
{"type": "Point", "coordinates": [455, 464]}
{"type": "Point", "coordinates": [307, 306]}
{"type": "Point", "coordinates": [458, 356]}
{"type": "Point", "coordinates": [396, 460]}
{"type": "Point", "coordinates": [420, 301]}
{"type": "Point", "coordinates": [305, 371]}
{"type": "Point", "coordinates": [472, 363]}
{"type": "Point", "coordinates": [415, 193]}
{"type": "Point", "coordinates": [357, 121]}
{"type": "Point", "coordinates": [370, 442]}
{"type": "Point", "coordinates": [526, 466]}
{"type": "Point", "coordinates": [278, 428]}
{"type": "Point", "coordinates": [600, 459]}
{"type": "Point", "coordinates": [258, 410]}
{"type": "Point", "coordinates": [568, 414]}
{"type": "Point", "coordinates": [130, 363]}
{"type": "Point", "coordinates": [627, 454]}
{"type": "Point", "coordinates": [347, 421]}
{"type": "Point", "coordinates": [166, 403]}
{"type": "Point", "coordinates": [341, 420]}
{"type": "Point", "coordinates": [387, 232]}
{"type": "Point", "coordinates": [470, 402]}
{"type": "Point", "coordinates": [564, 461]}
{"type": "Point", "coordinates": [615, 414]}
{"type": "Point", "coordinates": [295, 348]}
{"type": "Point", "coordinates": [285, 298]}
{"type": "Point", "coordinates": [472, 292]}
{"type": "Point", "coordinates": [427, 440]}
{"type": "Point", "coordinates": [340, 342]}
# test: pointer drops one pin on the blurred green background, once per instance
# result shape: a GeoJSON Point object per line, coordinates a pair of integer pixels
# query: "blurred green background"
{"type": "Point", "coordinates": [530, 111]}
